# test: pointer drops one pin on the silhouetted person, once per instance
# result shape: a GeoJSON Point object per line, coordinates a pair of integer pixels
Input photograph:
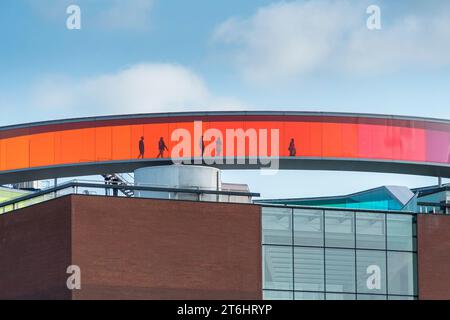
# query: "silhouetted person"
{"type": "Point", "coordinates": [115, 182]}
{"type": "Point", "coordinates": [292, 150]}
{"type": "Point", "coordinates": [107, 181]}
{"type": "Point", "coordinates": [218, 147]}
{"type": "Point", "coordinates": [202, 145]}
{"type": "Point", "coordinates": [141, 148]}
{"type": "Point", "coordinates": [161, 146]}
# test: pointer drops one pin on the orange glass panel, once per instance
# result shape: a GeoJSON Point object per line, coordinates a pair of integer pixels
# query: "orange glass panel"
{"type": "Point", "coordinates": [300, 132]}
{"type": "Point", "coordinates": [17, 151]}
{"type": "Point", "coordinates": [57, 147]}
{"type": "Point", "coordinates": [349, 140]}
{"type": "Point", "coordinates": [137, 131]}
{"type": "Point", "coordinates": [87, 152]}
{"type": "Point", "coordinates": [227, 143]}
{"type": "Point", "coordinates": [189, 126]}
{"type": "Point", "coordinates": [263, 131]}
{"type": "Point", "coordinates": [70, 146]}
{"type": "Point", "coordinates": [205, 126]}
{"type": "Point", "coordinates": [103, 143]}
{"type": "Point", "coordinates": [152, 133]}
{"type": "Point", "coordinates": [121, 142]}
{"type": "Point", "coordinates": [332, 140]}
{"type": "Point", "coordinates": [315, 139]}
{"type": "Point", "coordinates": [42, 149]}
{"type": "Point", "coordinates": [364, 141]}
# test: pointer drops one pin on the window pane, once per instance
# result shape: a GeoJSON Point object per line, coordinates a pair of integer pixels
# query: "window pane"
{"type": "Point", "coordinates": [309, 296]}
{"type": "Point", "coordinates": [400, 232]}
{"type": "Point", "coordinates": [371, 297]}
{"type": "Point", "coordinates": [309, 269]}
{"type": "Point", "coordinates": [401, 273]}
{"type": "Point", "coordinates": [277, 295]}
{"type": "Point", "coordinates": [340, 296]}
{"type": "Point", "coordinates": [371, 271]}
{"type": "Point", "coordinates": [340, 270]}
{"type": "Point", "coordinates": [308, 227]}
{"type": "Point", "coordinates": [277, 224]}
{"type": "Point", "coordinates": [277, 266]}
{"type": "Point", "coordinates": [370, 230]}
{"type": "Point", "coordinates": [339, 229]}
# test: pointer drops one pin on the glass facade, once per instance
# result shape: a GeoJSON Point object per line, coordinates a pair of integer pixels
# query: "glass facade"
{"type": "Point", "coordinates": [315, 254]}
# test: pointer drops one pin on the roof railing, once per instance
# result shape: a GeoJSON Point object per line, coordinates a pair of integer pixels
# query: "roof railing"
{"type": "Point", "coordinates": [77, 187]}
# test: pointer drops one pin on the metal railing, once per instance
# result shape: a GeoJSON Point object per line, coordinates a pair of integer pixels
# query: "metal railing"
{"type": "Point", "coordinates": [442, 207]}
{"type": "Point", "coordinates": [140, 191]}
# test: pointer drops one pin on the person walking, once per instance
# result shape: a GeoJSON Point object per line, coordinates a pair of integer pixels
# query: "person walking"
{"type": "Point", "coordinates": [292, 150]}
{"type": "Point", "coordinates": [202, 145]}
{"type": "Point", "coordinates": [141, 148]}
{"type": "Point", "coordinates": [161, 146]}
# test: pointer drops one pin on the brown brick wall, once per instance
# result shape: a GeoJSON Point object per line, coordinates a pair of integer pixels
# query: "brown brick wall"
{"type": "Point", "coordinates": [140, 248]}
{"type": "Point", "coordinates": [35, 251]}
{"type": "Point", "coordinates": [131, 249]}
{"type": "Point", "coordinates": [433, 237]}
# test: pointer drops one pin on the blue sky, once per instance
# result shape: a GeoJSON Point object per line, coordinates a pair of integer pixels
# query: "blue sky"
{"type": "Point", "coordinates": [153, 55]}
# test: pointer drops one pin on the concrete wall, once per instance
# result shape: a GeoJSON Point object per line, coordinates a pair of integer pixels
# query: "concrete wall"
{"type": "Point", "coordinates": [433, 239]}
{"type": "Point", "coordinates": [132, 249]}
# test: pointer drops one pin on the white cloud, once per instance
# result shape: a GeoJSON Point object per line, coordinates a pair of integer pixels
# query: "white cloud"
{"type": "Point", "coordinates": [284, 39]}
{"type": "Point", "coordinates": [289, 39]}
{"type": "Point", "coordinates": [411, 42]}
{"type": "Point", "coordinates": [139, 88]}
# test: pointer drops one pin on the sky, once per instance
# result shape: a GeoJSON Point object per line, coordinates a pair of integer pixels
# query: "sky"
{"type": "Point", "coordinates": [135, 56]}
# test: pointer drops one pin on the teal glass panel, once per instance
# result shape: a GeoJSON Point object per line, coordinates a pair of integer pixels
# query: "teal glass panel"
{"type": "Point", "coordinates": [340, 270]}
{"type": "Point", "coordinates": [400, 232]}
{"type": "Point", "coordinates": [277, 267]}
{"type": "Point", "coordinates": [277, 225]}
{"type": "Point", "coordinates": [402, 278]}
{"type": "Point", "coordinates": [340, 229]}
{"type": "Point", "coordinates": [309, 269]}
{"type": "Point", "coordinates": [371, 271]}
{"type": "Point", "coordinates": [308, 227]}
{"type": "Point", "coordinates": [370, 230]}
